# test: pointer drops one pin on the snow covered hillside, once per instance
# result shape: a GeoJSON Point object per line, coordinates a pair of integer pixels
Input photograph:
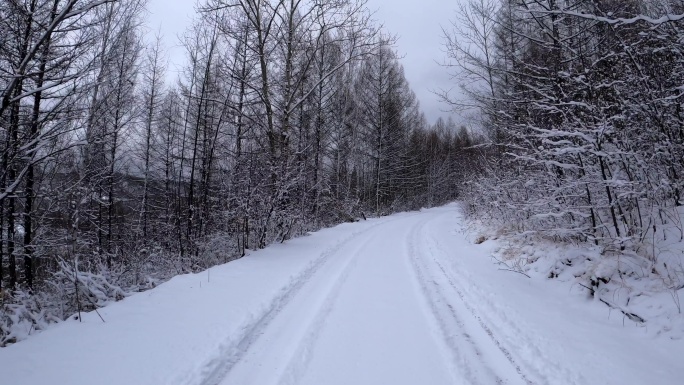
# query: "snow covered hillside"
{"type": "Point", "coordinates": [404, 299]}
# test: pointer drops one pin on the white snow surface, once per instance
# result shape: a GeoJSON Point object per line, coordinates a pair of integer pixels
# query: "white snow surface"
{"type": "Point", "coordinates": [405, 299]}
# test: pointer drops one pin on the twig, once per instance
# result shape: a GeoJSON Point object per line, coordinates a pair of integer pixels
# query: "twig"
{"type": "Point", "coordinates": [519, 271]}
{"type": "Point", "coordinates": [516, 271]}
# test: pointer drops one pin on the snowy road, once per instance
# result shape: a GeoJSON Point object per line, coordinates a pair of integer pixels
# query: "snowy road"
{"type": "Point", "coordinates": [406, 299]}
{"type": "Point", "coordinates": [379, 311]}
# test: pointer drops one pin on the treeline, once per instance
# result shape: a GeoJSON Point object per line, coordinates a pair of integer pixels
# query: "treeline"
{"type": "Point", "coordinates": [582, 103]}
{"type": "Point", "coordinates": [286, 117]}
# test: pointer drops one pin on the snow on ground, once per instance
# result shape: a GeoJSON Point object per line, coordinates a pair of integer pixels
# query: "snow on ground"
{"type": "Point", "coordinates": [637, 287]}
{"type": "Point", "coordinates": [405, 299]}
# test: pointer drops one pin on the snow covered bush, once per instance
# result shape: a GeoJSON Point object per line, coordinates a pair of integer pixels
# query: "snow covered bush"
{"type": "Point", "coordinates": [22, 314]}
{"type": "Point", "coordinates": [82, 290]}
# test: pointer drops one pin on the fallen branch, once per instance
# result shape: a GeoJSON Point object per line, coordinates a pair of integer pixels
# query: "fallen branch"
{"type": "Point", "coordinates": [509, 268]}
{"type": "Point", "coordinates": [632, 316]}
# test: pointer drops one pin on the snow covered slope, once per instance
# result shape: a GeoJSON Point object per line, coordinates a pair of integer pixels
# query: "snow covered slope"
{"type": "Point", "coordinates": [405, 299]}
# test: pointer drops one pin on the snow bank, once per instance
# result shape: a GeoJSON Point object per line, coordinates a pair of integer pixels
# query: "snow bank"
{"type": "Point", "coordinates": [554, 330]}
{"type": "Point", "coordinates": [639, 287]}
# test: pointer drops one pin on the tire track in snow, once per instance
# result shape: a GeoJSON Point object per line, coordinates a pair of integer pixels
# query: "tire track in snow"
{"type": "Point", "coordinates": [469, 293]}
{"type": "Point", "coordinates": [232, 351]}
{"type": "Point", "coordinates": [461, 348]}
{"type": "Point", "coordinates": [302, 354]}
{"type": "Point", "coordinates": [472, 360]}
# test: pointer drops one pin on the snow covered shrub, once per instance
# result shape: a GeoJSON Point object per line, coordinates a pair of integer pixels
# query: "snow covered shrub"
{"type": "Point", "coordinates": [217, 248]}
{"type": "Point", "coordinates": [22, 314]}
{"type": "Point", "coordinates": [80, 290]}
{"type": "Point", "coordinates": [142, 269]}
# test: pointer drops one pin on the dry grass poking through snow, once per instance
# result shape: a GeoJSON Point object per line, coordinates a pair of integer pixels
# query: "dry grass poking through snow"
{"type": "Point", "coordinates": [644, 285]}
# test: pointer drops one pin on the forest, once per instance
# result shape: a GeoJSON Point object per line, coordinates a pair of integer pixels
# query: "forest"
{"type": "Point", "coordinates": [287, 116]}
{"type": "Point", "coordinates": [582, 105]}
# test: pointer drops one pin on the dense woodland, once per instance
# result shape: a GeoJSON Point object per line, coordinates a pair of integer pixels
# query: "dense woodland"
{"type": "Point", "coordinates": [288, 116]}
{"type": "Point", "coordinates": [292, 115]}
{"type": "Point", "coordinates": [581, 101]}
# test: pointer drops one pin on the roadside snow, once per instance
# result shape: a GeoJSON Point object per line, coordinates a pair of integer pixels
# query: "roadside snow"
{"type": "Point", "coordinates": [555, 333]}
{"type": "Point", "coordinates": [634, 290]}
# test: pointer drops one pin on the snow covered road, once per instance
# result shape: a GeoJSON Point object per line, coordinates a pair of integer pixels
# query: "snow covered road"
{"type": "Point", "coordinates": [379, 312]}
{"type": "Point", "coordinates": [359, 319]}
{"type": "Point", "coordinates": [405, 299]}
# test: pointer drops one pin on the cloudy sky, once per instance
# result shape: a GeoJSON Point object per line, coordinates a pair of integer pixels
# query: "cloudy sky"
{"type": "Point", "coordinates": [417, 24]}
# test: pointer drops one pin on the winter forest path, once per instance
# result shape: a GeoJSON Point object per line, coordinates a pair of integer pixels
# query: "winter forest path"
{"type": "Point", "coordinates": [405, 299]}
{"type": "Point", "coordinates": [373, 314]}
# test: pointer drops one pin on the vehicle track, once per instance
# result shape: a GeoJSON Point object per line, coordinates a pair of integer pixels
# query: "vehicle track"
{"type": "Point", "coordinates": [336, 259]}
{"type": "Point", "coordinates": [471, 352]}
{"type": "Point", "coordinates": [379, 330]}
{"type": "Point", "coordinates": [499, 325]}
{"type": "Point", "coordinates": [302, 354]}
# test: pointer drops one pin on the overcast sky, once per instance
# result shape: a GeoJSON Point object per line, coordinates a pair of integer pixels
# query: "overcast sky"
{"type": "Point", "coordinates": [415, 22]}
